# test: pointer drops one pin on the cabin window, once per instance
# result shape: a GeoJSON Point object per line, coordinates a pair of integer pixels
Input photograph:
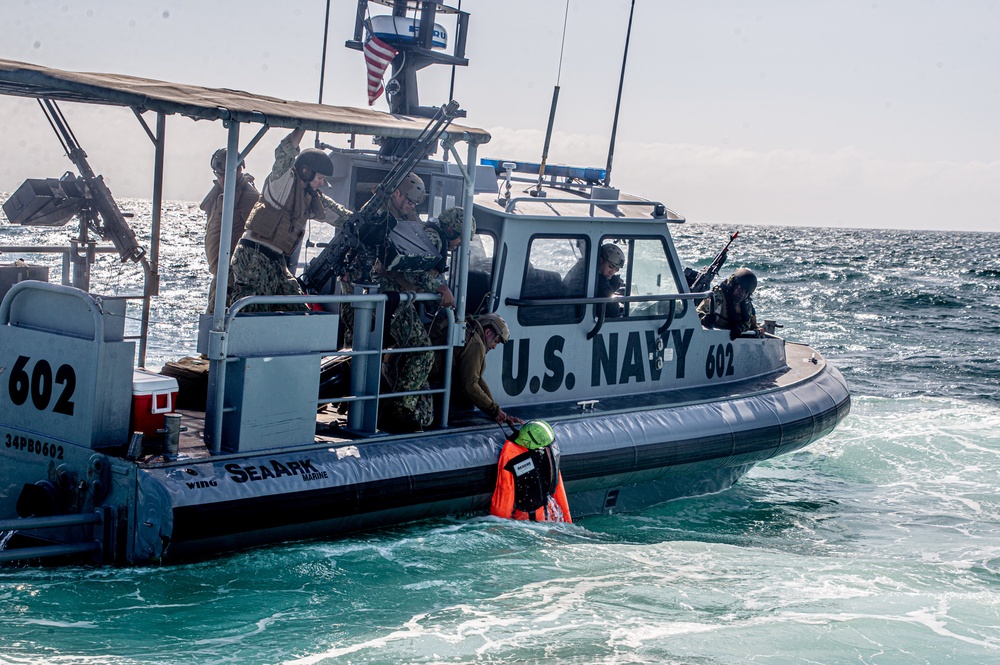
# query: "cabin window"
{"type": "Point", "coordinates": [648, 272]}
{"type": "Point", "coordinates": [481, 250]}
{"type": "Point", "coordinates": [481, 254]}
{"type": "Point", "coordinates": [556, 268]}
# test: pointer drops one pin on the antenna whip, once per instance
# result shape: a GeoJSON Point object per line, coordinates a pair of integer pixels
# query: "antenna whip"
{"type": "Point", "coordinates": [618, 104]}
{"type": "Point", "coordinates": [552, 111]}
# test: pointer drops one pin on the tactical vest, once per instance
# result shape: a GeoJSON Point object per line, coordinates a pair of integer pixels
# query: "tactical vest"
{"type": "Point", "coordinates": [284, 227]}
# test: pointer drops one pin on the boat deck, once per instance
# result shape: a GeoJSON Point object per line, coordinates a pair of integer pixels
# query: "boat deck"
{"type": "Point", "coordinates": [803, 362]}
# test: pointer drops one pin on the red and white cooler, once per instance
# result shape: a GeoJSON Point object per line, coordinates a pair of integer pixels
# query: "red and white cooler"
{"type": "Point", "coordinates": [153, 396]}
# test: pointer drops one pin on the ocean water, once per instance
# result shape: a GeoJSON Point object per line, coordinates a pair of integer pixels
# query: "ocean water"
{"type": "Point", "coordinates": [878, 544]}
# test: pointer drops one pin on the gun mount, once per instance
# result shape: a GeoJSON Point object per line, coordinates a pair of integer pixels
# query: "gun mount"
{"type": "Point", "coordinates": [53, 202]}
{"type": "Point", "coordinates": [363, 237]}
{"type": "Point", "coordinates": [419, 41]}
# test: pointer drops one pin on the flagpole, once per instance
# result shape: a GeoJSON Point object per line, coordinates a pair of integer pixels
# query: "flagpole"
{"type": "Point", "coordinates": [618, 104]}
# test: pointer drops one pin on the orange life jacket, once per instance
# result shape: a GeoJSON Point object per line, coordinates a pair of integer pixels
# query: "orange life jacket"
{"type": "Point", "coordinates": [529, 485]}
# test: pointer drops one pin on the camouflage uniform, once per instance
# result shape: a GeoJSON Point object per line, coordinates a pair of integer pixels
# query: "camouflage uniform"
{"type": "Point", "coordinates": [258, 266]}
{"type": "Point", "coordinates": [246, 197]}
{"type": "Point", "coordinates": [408, 331]}
{"type": "Point", "coordinates": [737, 317]}
{"type": "Point", "coordinates": [408, 371]}
{"type": "Point", "coordinates": [263, 272]}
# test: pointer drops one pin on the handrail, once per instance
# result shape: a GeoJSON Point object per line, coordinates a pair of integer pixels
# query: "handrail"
{"type": "Point", "coordinates": [67, 254]}
{"type": "Point", "coordinates": [92, 546]}
{"type": "Point", "coordinates": [672, 298]}
{"type": "Point", "coordinates": [49, 249]}
{"type": "Point", "coordinates": [655, 205]}
{"type": "Point", "coordinates": [380, 300]}
{"type": "Point", "coordinates": [51, 522]}
{"type": "Point", "coordinates": [535, 302]}
{"type": "Point", "coordinates": [90, 301]}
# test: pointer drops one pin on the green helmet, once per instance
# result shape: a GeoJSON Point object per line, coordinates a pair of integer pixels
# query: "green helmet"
{"type": "Point", "coordinates": [451, 222]}
{"type": "Point", "coordinates": [535, 434]}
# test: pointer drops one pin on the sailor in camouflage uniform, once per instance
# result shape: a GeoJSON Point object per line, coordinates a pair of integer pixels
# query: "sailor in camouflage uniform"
{"type": "Point", "coordinates": [246, 197]}
{"type": "Point", "coordinates": [290, 198]}
{"type": "Point", "coordinates": [409, 371]}
{"type": "Point", "coordinates": [402, 205]}
{"type": "Point", "coordinates": [733, 309]}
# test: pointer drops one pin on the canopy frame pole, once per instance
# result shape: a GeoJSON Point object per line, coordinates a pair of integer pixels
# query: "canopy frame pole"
{"type": "Point", "coordinates": [215, 407]}
{"type": "Point", "coordinates": [152, 282]}
{"type": "Point", "coordinates": [457, 327]}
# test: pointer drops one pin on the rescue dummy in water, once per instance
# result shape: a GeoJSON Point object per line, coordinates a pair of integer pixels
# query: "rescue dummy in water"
{"type": "Point", "coordinates": [529, 485]}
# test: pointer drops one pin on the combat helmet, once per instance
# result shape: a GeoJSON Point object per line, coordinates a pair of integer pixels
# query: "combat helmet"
{"type": "Point", "coordinates": [451, 222]}
{"type": "Point", "coordinates": [535, 434]}
{"type": "Point", "coordinates": [412, 188]}
{"type": "Point", "coordinates": [311, 161]}
{"type": "Point", "coordinates": [218, 162]}
{"type": "Point", "coordinates": [745, 278]}
{"type": "Point", "coordinates": [613, 254]}
{"type": "Point", "coordinates": [499, 326]}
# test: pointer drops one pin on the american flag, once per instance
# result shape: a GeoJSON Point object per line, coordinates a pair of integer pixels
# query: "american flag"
{"type": "Point", "coordinates": [378, 56]}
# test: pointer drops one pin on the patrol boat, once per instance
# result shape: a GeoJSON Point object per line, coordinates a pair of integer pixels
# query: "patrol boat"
{"type": "Point", "coordinates": [647, 406]}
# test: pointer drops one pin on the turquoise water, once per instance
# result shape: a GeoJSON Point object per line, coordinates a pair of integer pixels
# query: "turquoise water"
{"type": "Point", "coordinates": [878, 544]}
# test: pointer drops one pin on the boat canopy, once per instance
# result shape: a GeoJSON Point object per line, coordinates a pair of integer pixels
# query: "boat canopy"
{"type": "Point", "coordinates": [28, 80]}
{"type": "Point", "coordinates": [233, 108]}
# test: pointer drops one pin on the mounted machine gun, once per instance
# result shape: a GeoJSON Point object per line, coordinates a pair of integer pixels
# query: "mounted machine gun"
{"type": "Point", "coordinates": [364, 237]}
{"type": "Point", "coordinates": [53, 202]}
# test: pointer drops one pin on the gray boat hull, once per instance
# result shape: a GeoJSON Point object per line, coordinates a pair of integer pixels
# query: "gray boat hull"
{"type": "Point", "coordinates": [612, 462]}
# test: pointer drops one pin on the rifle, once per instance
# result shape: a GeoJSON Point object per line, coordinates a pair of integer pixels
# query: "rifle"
{"type": "Point", "coordinates": [112, 225]}
{"type": "Point", "coordinates": [703, 278]}
{"type": "Point", "coordinates": [367, 229]}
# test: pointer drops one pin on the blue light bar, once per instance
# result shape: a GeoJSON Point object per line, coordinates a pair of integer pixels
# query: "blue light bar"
{"type": "Point", "coordinates": [591, 175]}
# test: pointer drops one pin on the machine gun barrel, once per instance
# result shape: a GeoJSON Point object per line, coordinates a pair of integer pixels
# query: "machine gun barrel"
{"type": "Point", "coordinates": [368, 226]}
{"type": "Point", "coordinates": [114, 226]}
{"type": "Point", "coordinates": [705, 276]}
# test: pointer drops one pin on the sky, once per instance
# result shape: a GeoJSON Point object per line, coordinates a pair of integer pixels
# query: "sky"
{"type": "Point", "coordinates": [879, 114]}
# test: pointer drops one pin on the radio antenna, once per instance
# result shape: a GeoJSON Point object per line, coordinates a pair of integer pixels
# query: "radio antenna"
{"type": "Point", "coordinates": [618, 104]}
{"type": "Point", "coordinates": [552, 111]}
{"type": "Point", "coordinates": [322, 63]}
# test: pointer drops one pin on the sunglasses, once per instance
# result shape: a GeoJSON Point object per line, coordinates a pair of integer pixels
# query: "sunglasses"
{"type": "Point", "coordinates": [411, 201]}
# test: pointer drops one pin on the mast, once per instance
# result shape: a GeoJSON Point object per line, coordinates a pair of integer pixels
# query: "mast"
{"type": "Point", "coordinates": [410, 28]}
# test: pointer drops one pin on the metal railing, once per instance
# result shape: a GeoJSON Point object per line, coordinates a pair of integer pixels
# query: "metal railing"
{"type": "Point", "coordinates": [366, 389]}
{"type": "Point", "coordinates": [76, 272]}
{"type": "Point", "coordinates": [657, 212]}
{"type": "Point", "coordinates": [92, 547]}
{"type": "Point", "coordinates": [672, 298]}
